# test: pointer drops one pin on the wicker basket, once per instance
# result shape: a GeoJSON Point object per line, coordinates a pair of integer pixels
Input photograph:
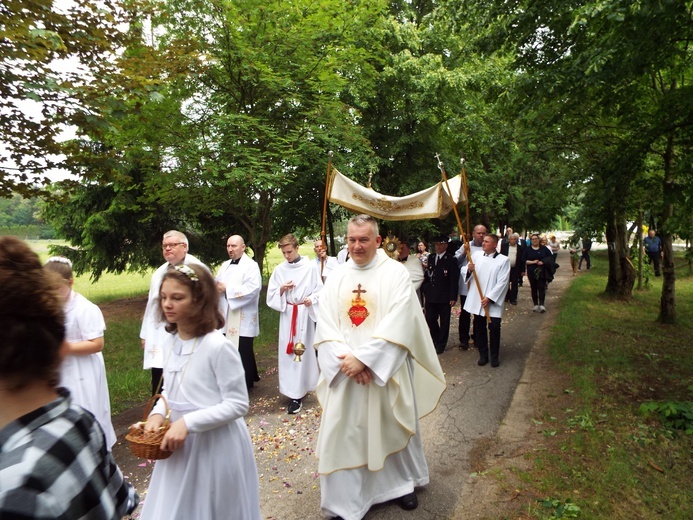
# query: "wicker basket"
{"type": "Point", "coordinates": [147, 445]}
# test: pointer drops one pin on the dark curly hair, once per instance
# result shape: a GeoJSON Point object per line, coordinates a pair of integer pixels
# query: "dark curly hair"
{"type": "Point", "coordinates": [206, 314]}
{"type": "Point", "coordinates": [31, 318]}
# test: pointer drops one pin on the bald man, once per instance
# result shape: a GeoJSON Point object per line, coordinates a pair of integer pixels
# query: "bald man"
{"type": "Point", "coordinates": [239, 282]}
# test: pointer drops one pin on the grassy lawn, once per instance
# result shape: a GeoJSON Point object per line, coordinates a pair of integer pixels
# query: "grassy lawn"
{"type": "Point", "coordinates": [606, 457]}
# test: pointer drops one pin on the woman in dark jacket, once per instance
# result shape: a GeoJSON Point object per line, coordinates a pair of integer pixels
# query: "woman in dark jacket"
{"type": "Point", "coordinates": [538, 262]}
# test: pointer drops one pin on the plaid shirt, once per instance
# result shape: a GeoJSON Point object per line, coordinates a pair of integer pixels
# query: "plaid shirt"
{"type": "Point", "coordinates": [54, 464]}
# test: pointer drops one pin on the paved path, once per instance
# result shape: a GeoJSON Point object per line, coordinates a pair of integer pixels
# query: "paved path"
{"type": "Point", "coordinates": [471, 410]}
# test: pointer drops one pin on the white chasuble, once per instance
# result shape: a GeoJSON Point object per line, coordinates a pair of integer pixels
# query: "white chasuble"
{"type": "Point", "coordinates": [369, 445]}
{"type": "Point", "coordinates": [358, 308]}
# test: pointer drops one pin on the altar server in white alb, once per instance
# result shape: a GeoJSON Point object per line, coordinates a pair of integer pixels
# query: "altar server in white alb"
{"type": "Point", "coordinates": [83, 371]}
{"type": "Point", "coordinates": [379, 376]}
{"type": "Point", "coordinates": [239, 282]}
{"type": "Point", "coordinates": [292, 290]}
{"type": "Point", "coordinates": [152, 334]}
{"type": "Point", "coordinates": [493, 271]}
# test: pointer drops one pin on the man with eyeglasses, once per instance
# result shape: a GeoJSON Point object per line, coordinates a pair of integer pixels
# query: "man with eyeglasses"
{"type": "Point", "coordinates": [152, 334]}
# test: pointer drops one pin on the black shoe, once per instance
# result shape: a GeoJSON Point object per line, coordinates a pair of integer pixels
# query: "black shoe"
{"type": "Point", "coordinates": [409, 502]}
{"type": "Point", "coordinates": [440, 351]}
{"type": "Point", "coordinates": [513, 302]}
{"type": "Point", "coordinates": [495, 363]}
{"type": "Point", "coordinates": [482, 362]}
{"type": "Point", "coordinates": [294, 407]}
{"type": "Point", "coordinates": [464, 346]}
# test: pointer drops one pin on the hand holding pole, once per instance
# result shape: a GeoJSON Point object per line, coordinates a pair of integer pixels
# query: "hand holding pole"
{"type": "Point", "coordinates": [464, 238]}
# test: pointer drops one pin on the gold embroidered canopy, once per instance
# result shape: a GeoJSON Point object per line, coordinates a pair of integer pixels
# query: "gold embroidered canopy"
{"type": "Point", "coordinates": [433, 202]}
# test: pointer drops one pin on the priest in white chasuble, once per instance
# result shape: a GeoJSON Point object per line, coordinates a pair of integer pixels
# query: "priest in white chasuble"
{"type": "Point", "coordinates": [293, 292]}
{"type": "Point", "coordinates": [379, 375]}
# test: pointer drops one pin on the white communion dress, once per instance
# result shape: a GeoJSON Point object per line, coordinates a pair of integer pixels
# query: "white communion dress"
{"type": "Point", "coordinates": [213, 475]}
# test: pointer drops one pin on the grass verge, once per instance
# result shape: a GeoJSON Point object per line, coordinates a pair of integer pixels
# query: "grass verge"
{"type": "Point", "coordinates": [606, 455]}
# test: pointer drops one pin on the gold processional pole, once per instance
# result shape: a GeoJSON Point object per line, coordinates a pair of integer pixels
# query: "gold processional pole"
{"type": "Point", "coordinates": [466, 194]}
{"type": "Point", "coordinates": [323, 233]}
{"type": "Point", "coordinates": [462, 234]}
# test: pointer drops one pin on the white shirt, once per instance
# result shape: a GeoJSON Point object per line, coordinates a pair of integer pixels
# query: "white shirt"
{"type": "Point", "coordinates": [243, 283]}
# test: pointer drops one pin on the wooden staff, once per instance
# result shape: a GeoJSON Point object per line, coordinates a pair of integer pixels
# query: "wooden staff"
{"type": "Point", "coordinates": [323, 232]}
{"type": "Point", "coordinates": [462, 234]}
{"type": "Point", "coordinates": [466, 194]}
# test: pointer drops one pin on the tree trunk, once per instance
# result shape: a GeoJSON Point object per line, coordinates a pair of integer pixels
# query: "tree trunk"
{"type": "Point", "coordinates": [638, 241]}
{"type": "Point", "coordinates": [260, 229]}
{"type": "Point", "coordinates": [667, 303]}
{"type": "Point", "coordinates": [621, 271]}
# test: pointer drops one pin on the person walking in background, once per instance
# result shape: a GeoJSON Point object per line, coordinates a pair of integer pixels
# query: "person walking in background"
{"type": "Point", "coordinates": [413, 265]}
{"type": "Point", "coordinates": [464, 286]}
{"type": "Point", "coordinates": [652, 245]}
{"type": "Point", "coordinates": [53, 458]}
{"type": "Point", "coordinates": [322, 262]}
{"type": "Point", "coordinates": [554, 245]}
{"type": "Point", "coordinates": [379, 376]}
{"type": "Point", "coordinates": [208, 399]}
{"type": "Point", "coordinates": [574, 247]}
{"type": "Point", "coordinates": [506, 237]}
{"type": "Point", "coordinates": [514, 251]}
{"type": "Point", "coordinates": [440, 290]}
{"type": "Point", "coordinates": [586, 248]}
{"type": "Point", "coordinates": [538, 262]}
{"type": "Point", "coordinates": [492, 270]}
{"type": "Point", "coordinates": [83, 371]}
{"type": "Point", "coordinates": [152, 334]}
{"type": "Point", "coordinates": [239, 282]}
{"type": "Point", "coordinates": [292, 291]}
{"type": "Point", "coordinates": [422, 252]}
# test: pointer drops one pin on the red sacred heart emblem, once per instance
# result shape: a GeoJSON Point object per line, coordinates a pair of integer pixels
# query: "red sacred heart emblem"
{"type": "Point", "coordinates": [357, 314]}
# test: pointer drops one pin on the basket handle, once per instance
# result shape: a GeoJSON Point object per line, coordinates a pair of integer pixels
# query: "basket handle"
{"type": "Point", "coordinates": [150, 405]}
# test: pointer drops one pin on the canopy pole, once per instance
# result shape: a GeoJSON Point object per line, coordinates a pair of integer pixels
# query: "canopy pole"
{"type": "Point", "coordinates": [323, 232]}
{"type": "Point", "coordinates": [462, 234]}
{"type": "Point", "coordinates": [466, 194]}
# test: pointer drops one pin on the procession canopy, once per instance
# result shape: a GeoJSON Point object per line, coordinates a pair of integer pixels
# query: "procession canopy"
{"type": "Point", "coordinates": [433, 202]}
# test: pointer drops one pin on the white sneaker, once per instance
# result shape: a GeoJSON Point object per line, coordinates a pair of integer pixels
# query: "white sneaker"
{"type": "Point", "coordinates": [542, 308]}
{"type": "Point", "coordinates": [535, 309]}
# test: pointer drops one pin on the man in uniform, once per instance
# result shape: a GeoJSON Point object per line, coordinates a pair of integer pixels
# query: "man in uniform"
{"type": "Point", "coordinates": [440, 291]}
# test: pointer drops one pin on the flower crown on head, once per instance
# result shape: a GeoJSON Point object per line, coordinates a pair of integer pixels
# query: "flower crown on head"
{"type": "Point", "coordinates": [61, 260]}
{"type": "Point", "coordinates": [187, 272]}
